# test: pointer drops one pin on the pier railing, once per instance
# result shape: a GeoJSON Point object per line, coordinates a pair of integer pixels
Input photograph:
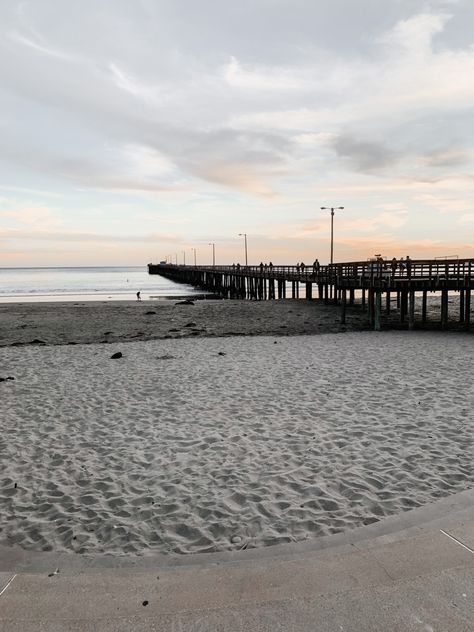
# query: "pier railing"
{"type": "Point", "coordinates": [351, 274]}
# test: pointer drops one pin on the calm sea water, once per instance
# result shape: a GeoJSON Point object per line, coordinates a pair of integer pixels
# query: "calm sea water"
{"type": "Point", "coordinates": [86, 284]}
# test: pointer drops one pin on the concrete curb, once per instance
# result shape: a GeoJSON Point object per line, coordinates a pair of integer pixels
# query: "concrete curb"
{"type": "Point", "coordinates": [452, 510]}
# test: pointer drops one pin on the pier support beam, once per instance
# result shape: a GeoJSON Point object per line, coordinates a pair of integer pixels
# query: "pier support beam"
{"type": "Point", "coordinates": [467, 313]}
{"type": "Point", "coordinates": [343, 308]}
{"type": "Point", "coordinates": [371, 306]}
{"type": "Point", "coordinates": [378, 310]}
{"type": "Point", "coordinates": [403, 305]}
{"type": "Point", "coordinates": [444, 309]}
{"type": "Point", "coordinates": [423, 306]}
{"type": "Point", "coordinates": [411, 311]}
{"type": "Point", "coordinates": [271, 289]}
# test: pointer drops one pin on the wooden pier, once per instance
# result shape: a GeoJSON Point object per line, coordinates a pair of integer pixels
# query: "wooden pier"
{"type": "Point", "coordinates": [375, 281]}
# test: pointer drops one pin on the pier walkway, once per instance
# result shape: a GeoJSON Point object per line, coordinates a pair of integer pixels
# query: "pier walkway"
{"type": "Point", "coordinates": [374, 281]}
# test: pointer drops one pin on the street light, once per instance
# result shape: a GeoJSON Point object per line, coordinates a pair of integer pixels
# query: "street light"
{"type": "Point", "coordinates": [213, 254]}
{"type": "Point", "coordinates": [332, 209]}
{"type": "Point", "coordinates": [193, 250]}
{"type": "Point", "coordinates": [244, 235]}
{"type": "Point", "coordinates": [184, 257]}
{"type": "Point", "coordinates": [176, 258]}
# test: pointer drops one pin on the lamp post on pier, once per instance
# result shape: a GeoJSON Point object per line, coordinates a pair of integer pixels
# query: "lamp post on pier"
{"type": "Point", "coordinates": [184, 257]}
{"type": "Point", "coordinates": [193, 250]}
{"type": "Point", "coordinates": [213, 254]}
{"type": "Point", "coordinates": [176, 258]}
{"type": "Point", "coordinates": [244, 235]}
{"type": "Point", "coordinates": [332, 209]}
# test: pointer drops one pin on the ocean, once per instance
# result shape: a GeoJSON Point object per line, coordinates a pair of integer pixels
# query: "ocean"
{"type": "Point", "coordinates": [86, 284]}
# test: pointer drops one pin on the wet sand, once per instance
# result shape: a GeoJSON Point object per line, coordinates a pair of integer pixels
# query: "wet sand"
{"type": "Point", "coordinates": [109, 322]}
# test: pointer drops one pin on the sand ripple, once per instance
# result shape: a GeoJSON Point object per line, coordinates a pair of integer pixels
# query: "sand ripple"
{"type": "Point", "coordinates": [268, 443]}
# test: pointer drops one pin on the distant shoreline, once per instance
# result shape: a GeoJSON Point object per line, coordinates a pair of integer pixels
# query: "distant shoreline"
{"type": "Point", "coordinates": [97, 298]}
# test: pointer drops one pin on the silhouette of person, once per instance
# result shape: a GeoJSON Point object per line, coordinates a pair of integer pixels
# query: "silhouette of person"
{"type": "Point", "coordinates": [139, 298]}
{"type": "Point", "coordinates": [408, 265]}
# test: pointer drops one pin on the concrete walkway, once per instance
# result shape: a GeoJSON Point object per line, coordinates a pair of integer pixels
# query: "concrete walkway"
{"type": "Point", "coordinates": [413, 572]}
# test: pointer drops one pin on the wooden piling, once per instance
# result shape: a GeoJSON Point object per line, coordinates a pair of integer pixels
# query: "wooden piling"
{"type": "Point", "coordinates": [444, 309]}
{"type": "Point", "coordinates": [370, 306]}
{"type": "Point", "coordinates": [378, 310]}
{"type": "Point", "coordinates": [467, 313]}
{"type": "Point", "coordinates": [411, 311]}
{"type": "Point", "coordinates": [403, 305]}
{"type": "Point", "coordinates": [343, 308]}
{"type": "Point", "coordinates": [423, 306]}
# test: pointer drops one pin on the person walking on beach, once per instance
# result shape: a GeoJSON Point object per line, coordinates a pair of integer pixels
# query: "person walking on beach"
{"type": "Point", "coordinates": [139, 298]}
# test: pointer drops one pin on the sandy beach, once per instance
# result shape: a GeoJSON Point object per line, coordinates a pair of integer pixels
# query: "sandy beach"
{"type": "Point", "coordinates": [111, 322]}
{"type": "Point", "coordinates": [200, 440]}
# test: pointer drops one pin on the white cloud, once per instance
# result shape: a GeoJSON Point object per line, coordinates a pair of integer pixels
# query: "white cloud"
{"type": "Point", "coordinates": [40, 217]}
{"type": "Point", "coordinates": [262, 78]}
{"type": "Point", "coordinates": [145, 161]}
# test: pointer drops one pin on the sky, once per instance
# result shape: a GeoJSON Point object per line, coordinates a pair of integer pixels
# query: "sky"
{"type": "Point", "coordinates": [135, 130]}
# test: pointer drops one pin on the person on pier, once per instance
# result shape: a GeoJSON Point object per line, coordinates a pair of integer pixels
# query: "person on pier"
{"type": "Point", "coordinates": [394, 266]}
{"type": "Point", "coordinates": [316, 266]}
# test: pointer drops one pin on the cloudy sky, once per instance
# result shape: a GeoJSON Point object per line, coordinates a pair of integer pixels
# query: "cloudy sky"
{"type": "Point", "coordinates": [136, 129]}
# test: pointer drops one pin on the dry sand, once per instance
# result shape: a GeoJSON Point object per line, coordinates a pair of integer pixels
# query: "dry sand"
{"type": "Point", "coordinates": [208, 443]}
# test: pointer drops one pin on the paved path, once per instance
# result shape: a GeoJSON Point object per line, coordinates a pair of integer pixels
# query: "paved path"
{"type": "Point", "coordinates": [409, 573]}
